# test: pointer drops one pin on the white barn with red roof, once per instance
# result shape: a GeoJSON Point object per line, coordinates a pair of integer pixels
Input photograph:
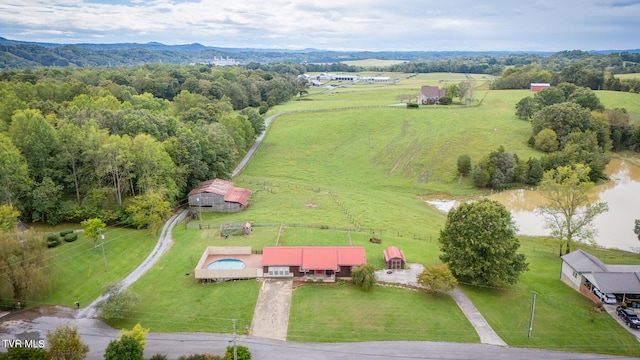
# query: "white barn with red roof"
{"type": "Point", "coordinates": [219, 196]}
{"type": "Point", "coordinates": [312, 262]}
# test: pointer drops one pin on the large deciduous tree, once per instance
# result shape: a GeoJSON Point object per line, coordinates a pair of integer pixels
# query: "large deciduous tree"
{"type": "Point", "coordinates": [148, 210]}
{"type": "Point", "coordinates": [479, 245]}
{"type": "Point", "coordinates": [15, 181]}
{"type": "Point", "coordinates": [23, 263]}
{"type": "Point", "coordinates": [8, 217]}
{"type": "Point", "coordinates": [569, 212]}
{"type": "Point", "coordinates": [37, 140]}
{"type": "Point", "coordinates": [65, 343]}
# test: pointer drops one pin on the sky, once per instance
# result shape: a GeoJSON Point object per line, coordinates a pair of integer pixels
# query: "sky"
{"type": "Point", "coordinates": [373, 25]}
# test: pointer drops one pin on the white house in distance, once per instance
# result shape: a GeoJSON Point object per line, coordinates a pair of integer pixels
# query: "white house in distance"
{"type": "Point", "coordinates": [583, 271]}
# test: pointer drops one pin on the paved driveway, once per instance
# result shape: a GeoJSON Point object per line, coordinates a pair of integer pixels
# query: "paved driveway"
{"type": "Point", "coordinates": [271, 316]}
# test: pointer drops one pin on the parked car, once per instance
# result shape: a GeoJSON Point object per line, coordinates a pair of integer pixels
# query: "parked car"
{"type": "Point", "coordinates": [609, 299]}
{"type": "Point", "coordinates": [604, 297]}
{"type": "Point", "coordinates": [629, 316]}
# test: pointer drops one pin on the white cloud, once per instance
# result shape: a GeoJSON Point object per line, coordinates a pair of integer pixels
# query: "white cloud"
{"type": "Point", "coordinates": [331, 24]}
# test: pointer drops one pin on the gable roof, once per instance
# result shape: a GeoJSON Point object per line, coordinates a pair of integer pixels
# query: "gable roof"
{"type": "Point", "coordinates": [613, 279]}
{"type": "Point", "coordinates": [432, 91]}
{"type": "Point", "coordinates": [393, 252]}
{"type": "Point", "coordinates": [214, 186]}
{"type": "Point", "coordinates": [314, 257]}
{"type": "Point", "coordinates": [617, 282]}
{"type": "Point", "coordinates": [238, 195]}
{"type": "Point", "coordinates": [582, 261]}
{"type": "Point", "coordinates": [223, 188]}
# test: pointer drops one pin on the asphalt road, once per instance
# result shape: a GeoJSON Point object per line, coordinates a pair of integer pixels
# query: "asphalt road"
{"type": "Point", "coordinates": [34, 323]}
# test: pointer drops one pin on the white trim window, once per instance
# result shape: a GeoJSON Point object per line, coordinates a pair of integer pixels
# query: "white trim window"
{"type": "Point", "coordinates": [278, 271]}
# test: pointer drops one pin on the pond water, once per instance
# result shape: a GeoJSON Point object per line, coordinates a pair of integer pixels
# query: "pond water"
{"type": "Point", "coordinates": [615, 227]}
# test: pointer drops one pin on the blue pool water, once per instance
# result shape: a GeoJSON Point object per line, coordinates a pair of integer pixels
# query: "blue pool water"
{"type": "Point", "coordinates": [226, 264]}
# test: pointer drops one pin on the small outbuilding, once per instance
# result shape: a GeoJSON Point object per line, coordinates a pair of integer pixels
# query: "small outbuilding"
{"type": "Point", "coordinates": [394, 258]}
{"type": "Point", "coordinates": [219, 195]}
{"type": "Point", "coordinates": [539, 86]}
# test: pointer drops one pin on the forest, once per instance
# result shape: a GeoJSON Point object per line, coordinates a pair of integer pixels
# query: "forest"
{"type": "Point", "coordinates": [110, 143]}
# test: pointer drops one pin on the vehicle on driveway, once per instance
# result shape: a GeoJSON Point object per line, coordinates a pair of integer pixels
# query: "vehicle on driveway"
{"type": "Point", "coordinates": [604, 297]}
{"type": "Point", "coordinates": [629, 316]}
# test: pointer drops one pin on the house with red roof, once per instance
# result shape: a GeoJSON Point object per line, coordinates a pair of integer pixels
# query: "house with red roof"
{"type": "Point", "coordinates": [219, 195]}
{"type": "Point", "coordinates": [312, 262]}
{"type": "Point", "coordinates": [394, 258]}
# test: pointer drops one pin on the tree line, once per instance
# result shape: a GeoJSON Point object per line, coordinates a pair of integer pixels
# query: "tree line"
{"type": "Point", "coordinates": [109, 143]}
{"type": "Point", "coordinates": [571, 126]}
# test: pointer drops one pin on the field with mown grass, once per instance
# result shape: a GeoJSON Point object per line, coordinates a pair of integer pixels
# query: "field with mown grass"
{"type": "Point", "coordinates": [78, 268]}
{"type": "Point", "coordinates": [339, 177]}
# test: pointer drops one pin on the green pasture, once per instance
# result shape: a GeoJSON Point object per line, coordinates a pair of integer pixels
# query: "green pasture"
{"type": "Point", "coordinates": [171, 300]}
{"type": "Point", "coordinates": [340, 177]}
{"type": "Point", "coordinates": [363, 94]}
{"type": "Point", "coordinates": [345, 313]}
{"type": "Point", "coordinates": [626, 76]}
{"type": "Point", "coordinates": [564, 319]}
{"type": "Point", "coordinates": [78, 270]}
{"type": "Point", "coordinates": [616, 99]}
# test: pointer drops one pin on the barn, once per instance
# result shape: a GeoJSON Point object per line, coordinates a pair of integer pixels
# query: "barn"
{"type": "Point", "coordinates": [219, 195]}
{"type": "Point", "coordinates": [324, 263]}
{"type": "Point", "coordinates": [394, 258]}
{"type": "Point", "coordinates": [539, 86]}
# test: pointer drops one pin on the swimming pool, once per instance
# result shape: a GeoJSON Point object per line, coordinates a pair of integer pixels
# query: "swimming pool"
{"type": "Point", "coordinates": [226, 264]}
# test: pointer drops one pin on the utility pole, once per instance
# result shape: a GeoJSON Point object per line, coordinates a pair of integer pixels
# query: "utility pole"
{"type": "Point", "coordinates": [235, 350]}
{"type": "Point", "coordinates": [533, 308]}
{"type": "Point", "coordinates": [104, 258]}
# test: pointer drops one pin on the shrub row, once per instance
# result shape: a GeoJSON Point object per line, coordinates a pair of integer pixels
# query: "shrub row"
{"type": "Point", "coordinates": [53, 240]}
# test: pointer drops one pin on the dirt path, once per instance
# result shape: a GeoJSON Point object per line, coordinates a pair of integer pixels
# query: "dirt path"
{"type": "Point", "coordinates": [271, 316]}
{"type": "Point", "coordinates": [164, 243]}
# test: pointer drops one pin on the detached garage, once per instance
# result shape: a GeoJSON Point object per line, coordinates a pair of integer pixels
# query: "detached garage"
{"type": "Point", "coordinates": [583, 271]}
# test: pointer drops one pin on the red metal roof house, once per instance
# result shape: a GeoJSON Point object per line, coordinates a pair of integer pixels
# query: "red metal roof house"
{"type": "Point", "coordinates": [312, 262]}
{"type": "Point", "coordinates": [394, 258]}
{"type": "Point", "coordinates": [220, 196]}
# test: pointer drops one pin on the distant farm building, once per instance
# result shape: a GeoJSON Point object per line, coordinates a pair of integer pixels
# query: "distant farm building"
{"type": "Point", "coordinates": [394, 258]}
{"type": "Point", "coordinates": [312, 262]}
{"type": "Point", "coordinates": [219, 196]}
{"type": "Point", "coordinates": [539, 86]}
{"type": "Point", "coordinates": [229, 229]}
{"type": "Point", "coordinates": [430, 95]}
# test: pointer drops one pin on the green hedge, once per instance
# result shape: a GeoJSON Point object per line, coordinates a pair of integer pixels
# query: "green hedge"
{"type": "Point", "coordinates": [71, 237]}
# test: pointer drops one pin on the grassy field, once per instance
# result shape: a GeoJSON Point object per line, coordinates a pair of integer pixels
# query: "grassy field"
{"type": "Point", "coordinates": [78, 268]}
{"type": "Point", "coordinates": [340, 177]}
{"type": "Point", "coordinates": [345, 313]}
{"type": "Point", "coordinates": [626, 76]}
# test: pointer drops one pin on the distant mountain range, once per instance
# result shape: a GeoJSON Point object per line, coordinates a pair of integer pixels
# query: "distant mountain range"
{"type": "Point", "coordinates": [16, 54]}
